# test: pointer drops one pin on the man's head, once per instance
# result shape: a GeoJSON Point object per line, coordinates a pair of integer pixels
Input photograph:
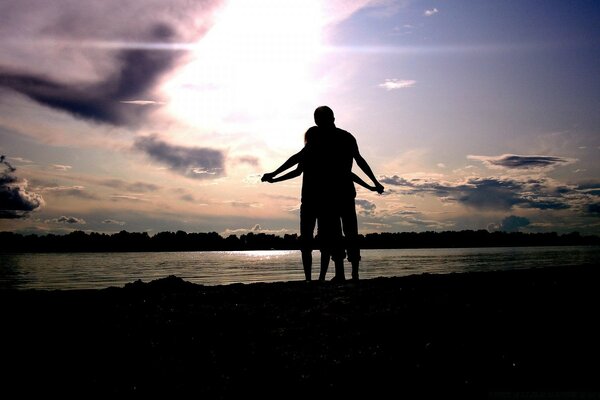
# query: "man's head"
{"type": "Point", "coordinates": [324, 117]}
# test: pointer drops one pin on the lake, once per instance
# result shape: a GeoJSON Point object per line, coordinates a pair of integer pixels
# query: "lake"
{"type": "Point", "coordinates": [102, 270]}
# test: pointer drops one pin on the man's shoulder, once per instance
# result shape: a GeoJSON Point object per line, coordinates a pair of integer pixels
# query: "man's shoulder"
{"type": "Point", "coordinates": [345, 134]}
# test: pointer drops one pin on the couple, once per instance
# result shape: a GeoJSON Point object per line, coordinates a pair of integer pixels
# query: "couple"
{"type": "Point", "coordinates": [328, 194]}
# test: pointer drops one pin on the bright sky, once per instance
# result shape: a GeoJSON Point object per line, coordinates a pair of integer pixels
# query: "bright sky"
{"type": "Point", "coordinates": [155, 115]}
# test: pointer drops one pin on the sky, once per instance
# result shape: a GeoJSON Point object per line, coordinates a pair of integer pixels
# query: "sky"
{"type": "Point", "coordinates": [156, 115]}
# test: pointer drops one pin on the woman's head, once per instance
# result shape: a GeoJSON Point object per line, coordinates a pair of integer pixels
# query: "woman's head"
{"type": "Point", "coordinates": [311, 135]}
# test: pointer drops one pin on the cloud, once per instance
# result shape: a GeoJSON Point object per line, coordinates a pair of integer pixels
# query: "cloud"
{"type": "Point", "coordinates": [61, 167]}
{"type": "Point", "coordinates": [243, 204]}
{"type": "Point", "coordinates": [136, 187]}
{"type": "Point", "coordinates": [429, 13]}
{"type": "Point", "coordinates": [22, 160]}
{"type": "Point", "coordinates": [142, 102]}
{"type": "Point", "coordinates": [250, 160]}
{"type": "Point", "coordinates": [488, 193]}
{"type": "Point", "coordinates": [99, 102]}
{"type": "Point", "coordinates": [15, 200]}
{"type": "Point", "coordinates": [256, 228]}
{"type": "Point", "coordinates": [513, 161]}
{"type": "Point", "coordinates": [590, 188]}
{"type": "Point", "coordinates": [593, 208]}
{"type": "Point", "coordinates": [74, 191]}
{"type": "Point", "coordinates": [365, 207]}
{"type": "Point", "coordinates": [118, 197]}
{"type": "Point", "coordinates": [113, 222]}
{"type": "Point", "coordinates": [394, 84]}
{"type": "Point", "coordinates": [193, 162]}
{"type": "Point", "coordinates": [187, 197]}
{"type": "Point", "coordinates": [511, 223]}
{"type": "Point", "coordinates": [67, 220]}
{"type": "Point", "coordinates": [79, 61]}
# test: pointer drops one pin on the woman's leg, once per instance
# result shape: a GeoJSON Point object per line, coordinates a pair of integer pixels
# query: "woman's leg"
{"type": "Point", "coordinates": [330, 233]}
{"type": "Point", "coordinates": [308, 219]}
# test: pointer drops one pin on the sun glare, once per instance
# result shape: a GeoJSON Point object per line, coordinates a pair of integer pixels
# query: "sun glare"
{"type": "Point", "coordinates": [253, 72]}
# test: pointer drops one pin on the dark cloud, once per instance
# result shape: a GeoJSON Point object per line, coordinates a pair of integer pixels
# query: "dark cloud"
{"type": "Point", "coordinates": [365, 207]}
{"type": "Point", "coordinates": [85, 58]}
{"type": "Point", "coordinates": [187, 197]}
{"type": "Point", "coordinates": [593, 208]}
{"type": "Point", "coordinates": [523, 162]}
{"type": "Point", "coordinates": [591, 188]}
{"type": "Point", "coordinates": [253, 161]}
{"type": "Point", "coordinates": [113, 222]}
{"type": "Point", "coordinates": [395, 180]}
{"type": "Point", "coordinates": [487, 193]}
{"type": "Point", "coordinates": [513, 223]}
{"type": "Point", "coordinates": [138, 73]}
{"type": "Point", "coordinates": [15, 200]}
{"type": "Point", "coordinates": [67, 220]}
{"type": "Point", "coordinates": [193, 162]}
{"type": "Point", "coordinates": [74, 191]}
{"type": "Point", "coordinates": [541, 204]}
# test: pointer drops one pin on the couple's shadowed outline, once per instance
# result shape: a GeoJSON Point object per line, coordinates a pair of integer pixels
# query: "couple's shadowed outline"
{"type": "Point", "coordinates": [328, 194]}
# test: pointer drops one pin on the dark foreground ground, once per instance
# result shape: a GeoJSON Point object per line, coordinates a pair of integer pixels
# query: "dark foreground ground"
{"type": "Point", "coordinates": [514, 334]}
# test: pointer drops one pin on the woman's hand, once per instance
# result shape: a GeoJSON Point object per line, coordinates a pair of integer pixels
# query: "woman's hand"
{"type": "Point", "coordinates": [268, 177]}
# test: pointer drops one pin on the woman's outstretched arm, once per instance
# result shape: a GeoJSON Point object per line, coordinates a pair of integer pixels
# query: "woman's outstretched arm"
{"type": "Point", "coordinates": [289, 175]}
{"type": "Point", "coordinates": [362, 183]}
{"type": "Point", "coordinates": [362, 163]}
{"type": "Point", "coordinates": [293, 160]}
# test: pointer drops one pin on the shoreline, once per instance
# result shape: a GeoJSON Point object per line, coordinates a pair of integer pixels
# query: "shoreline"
{"type": "Point", "coordinates": [475, 333]}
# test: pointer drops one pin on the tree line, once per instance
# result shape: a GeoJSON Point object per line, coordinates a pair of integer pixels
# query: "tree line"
{"type": "Point", "coordinates": [79, 241]}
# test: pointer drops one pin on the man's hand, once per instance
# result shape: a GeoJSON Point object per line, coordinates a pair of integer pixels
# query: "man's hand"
{"type": "Point", "coordinates": [268, 177]}
{"type": "Point", "coordinates": [379, 188]}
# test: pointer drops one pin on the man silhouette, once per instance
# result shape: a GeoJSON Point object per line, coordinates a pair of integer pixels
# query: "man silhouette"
{"type": "Point", "coordinates": [318, 204]}
{"type": "Point", "coordinates": [336, 149]}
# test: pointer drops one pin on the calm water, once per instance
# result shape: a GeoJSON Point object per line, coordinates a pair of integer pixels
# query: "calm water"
{"type": "Point", "coordinates": [101, 270]}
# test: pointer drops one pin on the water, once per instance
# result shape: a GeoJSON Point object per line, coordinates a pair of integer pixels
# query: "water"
{"type": "Point", "coordinates": [101, 270]}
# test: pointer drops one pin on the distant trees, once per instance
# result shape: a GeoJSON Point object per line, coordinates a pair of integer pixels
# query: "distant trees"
{"type": "Point", "coordinates": [79, 241]}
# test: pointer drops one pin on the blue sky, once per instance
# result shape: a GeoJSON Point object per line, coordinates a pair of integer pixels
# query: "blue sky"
{"type": "Point", "coordinates": [164, 115]}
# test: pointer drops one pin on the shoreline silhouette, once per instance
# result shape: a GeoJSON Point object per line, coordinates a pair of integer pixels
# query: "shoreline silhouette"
{"type": "Point", "coordinates": [79, 241]}
{"type": "Point", "coordinates": [478, 335]}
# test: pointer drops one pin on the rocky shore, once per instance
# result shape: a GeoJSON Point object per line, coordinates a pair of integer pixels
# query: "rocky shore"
{"type": "Point", "coordinates": [480, 335]}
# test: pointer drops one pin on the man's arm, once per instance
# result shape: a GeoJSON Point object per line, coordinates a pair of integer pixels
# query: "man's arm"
{"type": "Point", "coordinates": [293, 160]}
{"type": "Point", "coordinates": [362, 163]}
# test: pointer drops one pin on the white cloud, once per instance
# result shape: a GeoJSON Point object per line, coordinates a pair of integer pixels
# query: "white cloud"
{"type": "Point", "coordinates": [142, 102]}
{"type": "Point", "coordinates": [61, 167]}
{"type": "Point", "coordinates": [429, 13]}
{"type": "Point", "coordinates": [393, 84]}
{"type": "Point", "coordinates": [255, 229]}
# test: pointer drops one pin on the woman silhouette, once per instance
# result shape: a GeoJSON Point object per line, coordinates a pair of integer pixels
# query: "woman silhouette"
{"type": "Point", "coordinates": [319, 203]}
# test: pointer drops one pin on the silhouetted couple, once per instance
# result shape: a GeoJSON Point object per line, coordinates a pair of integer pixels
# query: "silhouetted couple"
{"type": "Point", "coordinates": [328, 194]}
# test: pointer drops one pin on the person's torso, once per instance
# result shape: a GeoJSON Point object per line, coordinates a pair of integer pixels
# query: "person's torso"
{"type": "Point", "coordinates": [327, 164]}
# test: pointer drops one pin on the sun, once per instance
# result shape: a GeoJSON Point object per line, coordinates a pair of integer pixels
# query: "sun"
{"type": "Point", "coordinates": [253, 71]}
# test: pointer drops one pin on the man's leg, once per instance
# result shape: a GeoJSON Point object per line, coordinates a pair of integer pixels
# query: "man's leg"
{"type": "Point", "coordinates": [350, 226]}
{"type": "Point", "coordinates": [324, 264]}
